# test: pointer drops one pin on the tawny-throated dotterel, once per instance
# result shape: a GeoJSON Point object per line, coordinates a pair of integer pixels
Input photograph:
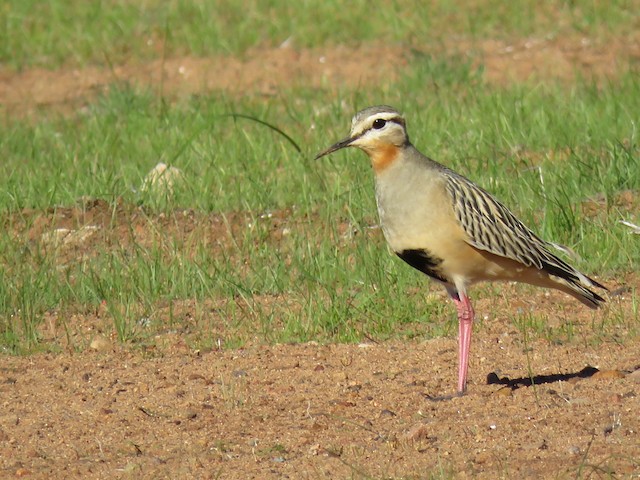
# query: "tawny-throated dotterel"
{"type": "Point", "coordinates": [444, 225]}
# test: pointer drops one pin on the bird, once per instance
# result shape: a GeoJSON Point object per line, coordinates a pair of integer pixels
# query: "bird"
{"type": "Point", "coordinates": [449, 228]}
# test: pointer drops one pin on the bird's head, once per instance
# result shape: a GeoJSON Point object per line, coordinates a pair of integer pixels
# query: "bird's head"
{"type": "Point", "coordinates": [380, 131]}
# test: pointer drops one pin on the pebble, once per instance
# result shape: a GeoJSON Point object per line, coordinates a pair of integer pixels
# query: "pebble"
{"type": "Point", "coordinates": [100, 343]}
{"type": "Point", "coordinates": [608, 374]}
{"type": "Point", "coordinates": [162, 178]}
{"type": "Point", "coordinates": [340, 376]}
{"type": "Point", "coordinates": [418, 432]}
{"type": "Point", "coordinates": [65, 236]}
{"type": "Point", "coordinates": [387, 413]}
{"type": "Point", "coordinates": [9, 420]}
{"type": "Point", "coordinates": [503, 392]}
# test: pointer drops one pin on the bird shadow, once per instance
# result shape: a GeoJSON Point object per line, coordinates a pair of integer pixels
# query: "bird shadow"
{"type": "Point", "coordinates": [515, 383]}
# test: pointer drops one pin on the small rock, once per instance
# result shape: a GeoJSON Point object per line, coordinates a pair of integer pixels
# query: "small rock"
{"type": "Point", "coordinates": [608, 375]}
{"type": "Point", "coordinates": [418, 432]}
{"type": "Point", "coordinates": [9, 420]}
{"type": "Point", "coordinates": [340, 376]}
{"type": "Point", "coordinates": [503, 392]}
{"type": "Point", "coordinates": [144, 322]}
{"type": "Point", "coordinates": [100, 343]}
{"type": "Point", "coordinates": [343, 403]}
{"type": "Point", "coordinates": [483, 457]}
{"type": "Point", "coordinates": [66, 236]}
{"type": "Point", "coordinates": [130, 467]}
{"type": "Point", "coordinates": [203, 443]}
{"type": "Point", "coordinates": [161, 179]}
{"type": "Point", "coordinates": [615, 398]}
{"type": "Point", "coordinates": [316, 427]}
{"type": "Point", "coordinates": [574, 450]}
{"type": "Point", "coordinates": [306, 440]}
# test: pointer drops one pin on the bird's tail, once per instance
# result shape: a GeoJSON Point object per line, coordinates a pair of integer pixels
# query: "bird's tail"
{"type": "Point", "coordinates": [577, 285]}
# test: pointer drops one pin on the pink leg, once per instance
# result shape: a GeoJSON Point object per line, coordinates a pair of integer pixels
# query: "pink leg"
{"type": "Point", "coordinates": [465, 324]}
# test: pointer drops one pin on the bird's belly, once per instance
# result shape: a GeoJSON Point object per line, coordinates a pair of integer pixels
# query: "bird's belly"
{"type": "Point", "coordinates": [426, 240]}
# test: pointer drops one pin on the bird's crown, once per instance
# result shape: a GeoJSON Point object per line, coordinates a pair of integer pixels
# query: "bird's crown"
{"type": "Point", "coordinates": [375, 118]}
{"type": "Point", "coordinates": [378, 124]}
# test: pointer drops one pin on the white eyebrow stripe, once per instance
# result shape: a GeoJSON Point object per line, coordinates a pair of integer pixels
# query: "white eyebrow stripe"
{"type": "Point", "coordinates": [388, 117]}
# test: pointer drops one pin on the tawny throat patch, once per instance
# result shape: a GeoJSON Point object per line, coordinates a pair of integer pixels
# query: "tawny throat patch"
{"type": "Point", "coordinates": [383, 155]}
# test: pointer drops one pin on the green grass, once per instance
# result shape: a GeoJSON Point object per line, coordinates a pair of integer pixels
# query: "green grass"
{"type": "Point", "coordinates": [57, 32]}
{"type": "Point", "coordinates": [335, 286]}
{"type": "Point", "coordinates": [544, 149]}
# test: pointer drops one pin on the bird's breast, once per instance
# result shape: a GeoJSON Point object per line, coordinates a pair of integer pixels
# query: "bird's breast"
{"type": "Point", "coordinates": [414, 208]}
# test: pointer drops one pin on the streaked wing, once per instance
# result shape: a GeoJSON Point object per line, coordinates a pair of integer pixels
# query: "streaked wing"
{"type": "Point", "coordinates": [493, 228]}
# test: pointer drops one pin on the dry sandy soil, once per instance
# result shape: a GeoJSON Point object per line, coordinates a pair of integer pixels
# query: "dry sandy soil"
{"type": "Point", "coordinates": [327, 411]}
{"type": "Point", "coordinates": [264, 72]}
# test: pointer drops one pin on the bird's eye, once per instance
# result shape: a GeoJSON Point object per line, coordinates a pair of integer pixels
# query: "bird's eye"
{"type": "Point", "coordinates": [378, 123]}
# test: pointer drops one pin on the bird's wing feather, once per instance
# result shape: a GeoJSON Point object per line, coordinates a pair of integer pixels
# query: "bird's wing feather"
{"type": "Point", "coordinates": [490, 226]}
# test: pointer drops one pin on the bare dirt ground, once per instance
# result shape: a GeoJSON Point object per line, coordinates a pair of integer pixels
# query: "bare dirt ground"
{"type": "Point", "coordinates": [264, 72]}
{"type": "Point", "coordinates": [311, 410]}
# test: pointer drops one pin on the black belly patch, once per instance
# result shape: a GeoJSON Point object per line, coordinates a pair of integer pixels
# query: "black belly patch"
{"type": "Point", "coordinates": [425, 262]}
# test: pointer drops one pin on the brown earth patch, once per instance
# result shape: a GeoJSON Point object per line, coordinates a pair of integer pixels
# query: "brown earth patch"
{"type": "Point", "coordinates": [261, 72]}
{"type": "Point", "coordinates": [321, 411]}
{"type": "Point", "coordinates": [556, 58]}
{"type": "Point", "coordinates": [626, 202]}
{"type": "Point", "coordinates": [267, 71]}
